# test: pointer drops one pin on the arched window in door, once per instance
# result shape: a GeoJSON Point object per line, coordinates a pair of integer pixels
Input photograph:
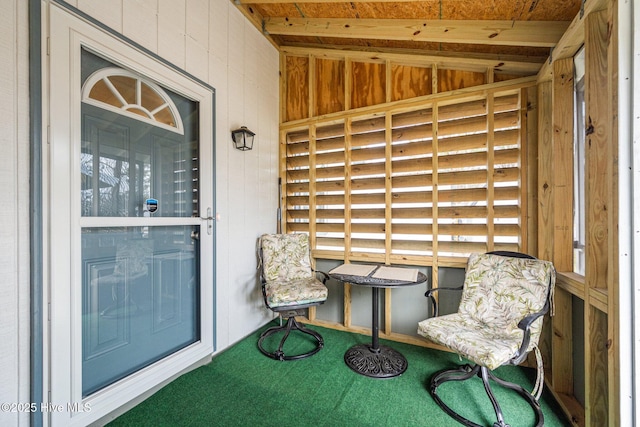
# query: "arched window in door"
{"type": "Point", "coordinates": [126, 93]}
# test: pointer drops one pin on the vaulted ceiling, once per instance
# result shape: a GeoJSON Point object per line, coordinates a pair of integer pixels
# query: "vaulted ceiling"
{"type": "Point", "coordinates": [511, 31]}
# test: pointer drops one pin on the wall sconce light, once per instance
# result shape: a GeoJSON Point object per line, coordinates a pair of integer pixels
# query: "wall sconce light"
{"type": "Point", "coordinates": [242, 138]}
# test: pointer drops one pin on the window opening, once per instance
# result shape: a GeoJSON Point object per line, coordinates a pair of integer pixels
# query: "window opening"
{"type": "Point", "coordinates": [127, 93]}
{"type": "Point", "coordinates": [579, 206]}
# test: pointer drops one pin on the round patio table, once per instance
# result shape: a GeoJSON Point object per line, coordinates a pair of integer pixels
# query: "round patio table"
{"type": "Point", "coordinates": [375, 360]}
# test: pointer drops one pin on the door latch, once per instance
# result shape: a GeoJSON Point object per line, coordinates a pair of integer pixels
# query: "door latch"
{"type": "Point", "coordinates": [209, 220]}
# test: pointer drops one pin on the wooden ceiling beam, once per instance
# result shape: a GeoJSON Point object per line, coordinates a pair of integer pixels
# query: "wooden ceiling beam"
{"type": "Point", "coordinates": [572, 40]}
{"type": "Point", "coordinates": [501, 33]}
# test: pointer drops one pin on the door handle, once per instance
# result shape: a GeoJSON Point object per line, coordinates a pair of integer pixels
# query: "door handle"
{"type": "Point", "coordinates": [209, 220]}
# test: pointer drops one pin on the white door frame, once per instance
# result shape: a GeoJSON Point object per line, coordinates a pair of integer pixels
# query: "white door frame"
{"type": "Point", "coordinates": [64, 33]}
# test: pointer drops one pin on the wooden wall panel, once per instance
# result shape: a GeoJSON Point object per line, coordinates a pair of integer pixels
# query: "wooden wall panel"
{"type": "Point", "coordinates": [297, 84]}
{"type": "Point", "coordinates": [329, 86]}
{"type": "Point", "coordinates": [457, 79]}
{"type": "Point", "coordinates": [596, 378]}
{"type": "Point", "coordinates": [408, 82]}
{"type": "Point", "coordinates": [315, 85]}
{"type": "Point", "coordinates": [368, 84]}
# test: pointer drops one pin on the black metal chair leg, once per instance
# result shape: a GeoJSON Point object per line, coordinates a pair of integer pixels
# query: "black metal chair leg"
{"type": "Point", "coordinates": [292, 324]}
{"type": "Point", "coordinates": [461, 374]}
{"type": "Point", "coordinates": [484, 374]}
{"type": "Point", "coordinates": [464, 373]}
{"type": "Point", "coordinates": [535, 405]}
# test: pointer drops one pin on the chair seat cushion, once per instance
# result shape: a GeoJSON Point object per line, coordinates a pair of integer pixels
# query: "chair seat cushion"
{"type": "Point", "coordinates": [294, 292]}
{"type": "Point", "coordinates": [487, 345]}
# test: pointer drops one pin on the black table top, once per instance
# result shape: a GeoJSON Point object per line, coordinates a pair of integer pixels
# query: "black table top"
{"type": "Point", "coordinates": [369, 280]}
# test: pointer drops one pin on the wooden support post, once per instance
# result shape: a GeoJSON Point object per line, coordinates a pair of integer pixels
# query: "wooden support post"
{"type": "Point", "coordinates": [598, 188]}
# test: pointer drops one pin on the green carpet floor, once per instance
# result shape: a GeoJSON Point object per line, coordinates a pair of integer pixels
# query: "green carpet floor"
{"type": "Point", "coordinates": [241, 387]}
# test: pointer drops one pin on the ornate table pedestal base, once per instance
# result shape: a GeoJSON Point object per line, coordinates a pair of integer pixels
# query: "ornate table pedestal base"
{"type": "Point", "coordinates": [375, 360]}
{"type": "Point", "coordinates": [383, 362]}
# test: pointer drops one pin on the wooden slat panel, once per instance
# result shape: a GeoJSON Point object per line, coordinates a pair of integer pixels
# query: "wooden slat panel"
{"type": "Point", "coordinates": [362, 155]}
{"type": "Point", "coordinates": [454, 229]}
{"type": "Point", "coordinates": [367, 228]}
{"type": "Point", "coordinates": [505, 120]}
{"type": "Point", "coordinates": [298, 162]}
{"type": "Point", "coordinates": [367, 199]}
{"type": "Point", "coordinates": [410, 181]}
{"type": "Point", "coordinates": [362, 169]}
{"type": "Point", "coordinates": [331, 158]}
{"type": "Point", "coordinates": [421, 165]}
{"type": "Point", "coordinates": [329, 144]}
{"type": "Point", "coordinates": [477, 194]}
{"type": "Point", "coordinates": [329, 131]}
{"type": "Point", "coordinates": [329, 172]}
{"type": "Point", "coordinates": [410, 149]}
{"type": "Point", "coordinates": [422, 132]}
{"type": "Point", "coordinates": [370, 138]}
{"type": "Point", "coordinates": [334, 242]}
{"type": "Point", "coordinates": [410, 197]}
{"type": "Point", "coordinates": [298, 175]}
{"type": "Point", "coordinates": [295, 188]}
{"type": "Point", "coordinates": [478, 177]}
{"type": "Point", "coordinates": [457, 212]}
{"type": "Point", "coordinates": [367, 125]}
{"type": "Point", "coordinates": [298, 136]}
{"type": "Point", "coordinates": [503, 103]}
{"type": "Point", "coordinates": [376, 175]}
{"type": "Point", "coordinates": [367, 184]}
{"type": "Point", "coordinates": [325, 186]}
{"type": "Point", "coordinates": [298, 227]}
{"type": "Point", "coordinates": [413, 118]}
{"type": "Point", "coordinates": [333, 199]}
{"type": "Point", "coordinates": [478, 141]}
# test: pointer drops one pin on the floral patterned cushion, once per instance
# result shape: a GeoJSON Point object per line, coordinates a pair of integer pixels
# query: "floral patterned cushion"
{"type": "Point", "coordinates": [295, 292]}
{"type": "Point", "coordinates": [498, 293]}
{"type": "Point", "coordinates": [286, 268]}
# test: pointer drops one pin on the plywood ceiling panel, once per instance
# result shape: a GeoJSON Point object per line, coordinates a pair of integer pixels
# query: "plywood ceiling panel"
{"type": "Point", "coordinates": [527, 29]}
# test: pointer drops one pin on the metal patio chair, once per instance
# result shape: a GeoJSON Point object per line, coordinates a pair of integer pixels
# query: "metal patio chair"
{"type": "Point", "coordinates": [289, 287]}
{"type": "Point", "coordinates": [499, 320]}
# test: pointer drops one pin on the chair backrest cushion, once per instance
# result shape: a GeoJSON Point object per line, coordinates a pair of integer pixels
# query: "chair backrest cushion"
{"type": "Point", "coordinates": [499, 291]}
{"type": "Point", "coordinates": [285, 257]}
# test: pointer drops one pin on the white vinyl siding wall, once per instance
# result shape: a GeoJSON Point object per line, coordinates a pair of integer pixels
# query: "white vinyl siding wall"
{"type": "Point", "coordinates": [14, 212]}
